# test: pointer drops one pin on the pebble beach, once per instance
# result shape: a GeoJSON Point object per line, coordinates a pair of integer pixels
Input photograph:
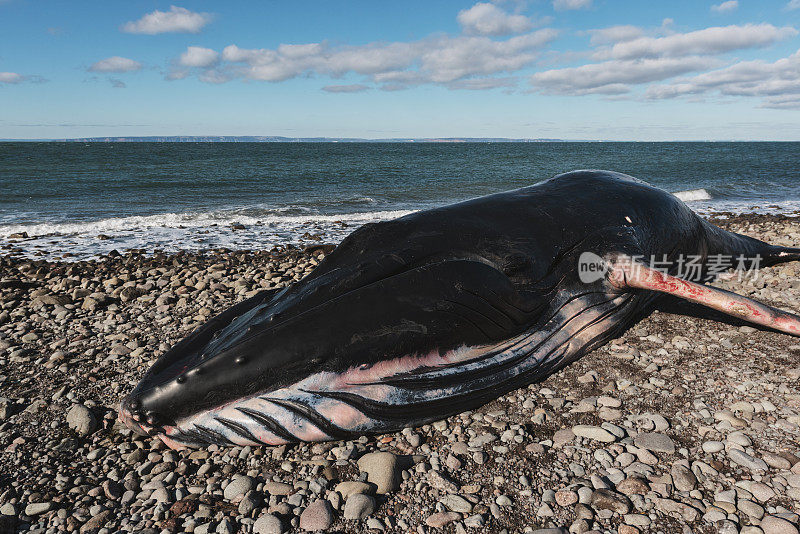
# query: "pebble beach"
{"type": "Point", "coordinates": [681, 425]}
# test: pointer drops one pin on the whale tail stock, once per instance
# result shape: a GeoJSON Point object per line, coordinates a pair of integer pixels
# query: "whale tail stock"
{"type": "Point", "coordinates": [627, 273]}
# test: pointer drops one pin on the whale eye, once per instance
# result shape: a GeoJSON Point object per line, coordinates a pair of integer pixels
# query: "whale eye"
{"type": "Point", "coordinates": [181, 379]}
{"type": "Point", "coordinates": [241, 360]}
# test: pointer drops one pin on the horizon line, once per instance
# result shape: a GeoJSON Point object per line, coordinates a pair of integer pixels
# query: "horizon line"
{"type": "Point", "coordinates": [325, 139]}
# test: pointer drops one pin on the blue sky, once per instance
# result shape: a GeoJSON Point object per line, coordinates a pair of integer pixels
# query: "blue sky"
{"type": "Point", "coordinates": [574, 69]}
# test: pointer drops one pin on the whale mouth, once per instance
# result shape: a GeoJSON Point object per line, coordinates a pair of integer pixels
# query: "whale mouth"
{"type": "Point", "coordinates": [410, 390]}
{"type": "Point", "coordinates": [136, 421]}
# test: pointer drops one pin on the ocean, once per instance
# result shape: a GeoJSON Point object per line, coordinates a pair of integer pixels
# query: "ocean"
{"type": "Point", "coordinates": [86, 199]}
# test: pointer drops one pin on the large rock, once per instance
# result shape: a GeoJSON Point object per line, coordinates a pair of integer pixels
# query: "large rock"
{"type": "Point", "coordinates": [656, 442]}
{"type": "Point", "coordinates": [351, 487]}
{"type": "Point", "coordinates": [358, 506]}
{"type": "Point", "coordinates": [53, 300]}
{"type": "Point", "coordinates": [81, 420]}
{"type": "Point", "coordinates": [38, 508]}
{"type": "Point", "coordinates": [668, 506]}
{"type": "Point", "coordinates": [441, 519]}
{"type": "Point", "coordinates": [605, 499]}
{"type": "Point", "coordinates": [382, 469]}
{"type": "Point", "coordinates": [633, 486]}
{"type": "Point", "coordinates": [456, 503]}
{"type": "Point", "coordinates": [683, 478]}
{"type": "Point", "coordinates": [238, 486]}
{"type": "Point", "coordinates": [268, 524]}
{"type": "Point", "coordinates": [594, 432]}
{"type": "Point", "coordinates": [129, 293]}
{"type": "Point", "coordinates": [747, 461]}
{"type": "Point", "coordinates": [95, 301]}
{"type": "Point", "coordinates": [96, 522]}
{"type": "Point", "coordinates": [777, 525]}
{"type": "Point", "coordinates": [317, 516]}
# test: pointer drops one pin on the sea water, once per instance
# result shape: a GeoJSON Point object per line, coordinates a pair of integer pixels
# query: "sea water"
{"type": "Point", "coordinates": [87, 199]}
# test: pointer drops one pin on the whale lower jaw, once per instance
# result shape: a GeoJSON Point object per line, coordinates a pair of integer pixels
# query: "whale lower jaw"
{"type": "Point", "coordinates": [411, 390]}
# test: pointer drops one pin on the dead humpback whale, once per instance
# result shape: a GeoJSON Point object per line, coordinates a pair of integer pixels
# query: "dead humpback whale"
{"type": "Point", "coordinates": [411, 320]}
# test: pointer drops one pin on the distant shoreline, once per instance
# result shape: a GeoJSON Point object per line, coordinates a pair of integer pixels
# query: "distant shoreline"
{"type": "Point", "coordinates": [280, 139]}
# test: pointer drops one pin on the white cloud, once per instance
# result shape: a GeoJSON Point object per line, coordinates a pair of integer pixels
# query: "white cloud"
{"type": "Point", "coordinates": [352, 88]}
{"type": "Point", "coordinates": [176, 20]}
{"type": "Point", "coordinates": [564, 5]}
{"type": "Point", "coordinates": [792, 5]}
{"type": "Point", "coordinates": [615, 77]}
{"type": "Point", "coordinates": [116, 64]}
{"type": "Point", "coordinates": [725, 7]}
{"type": "Point", "coordinates": [196, 56]}
{"type": "Point", "coordinates": [713, 40]}
{"type": "Point", "coordinates": [777, 82]}
{"type": "Point", "coordinates": [487, 19]}
{"type": "Point", "coordinates": [215, 76]}
{"type": "Point", "coordinates": [625, 58]}
{"type": "Point", "coordinates": [177, 74]}
{"type": "Point", "coordinates": [451, 59]}
{"type": "Point", "coordinates": [483, 84]}
{"type": "Point", "coordinates": [15, 78]}
{"type": "Point", "coordinates": [629, 58]}
{"type": "Point", "coordinates": [615, 34]}
{"type": "Point", "coordinates": [441, 59]}
{"type": "Point", "coordinates": [11, 77]}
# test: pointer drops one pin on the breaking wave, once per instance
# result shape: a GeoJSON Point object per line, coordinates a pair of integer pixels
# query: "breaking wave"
{"type": "Point", "coordinates": [693, 195]}
{"type": "Point", "coordinates": [223, 218]}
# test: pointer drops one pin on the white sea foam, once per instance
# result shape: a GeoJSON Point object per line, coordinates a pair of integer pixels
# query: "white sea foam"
{"type": "Point", "coordinates": [189, 231]}
{"type": "Point", "coordinates": [263, 228]}
{"type": "Point", "coordinates": [693, 195]}
{"type": "Point", "coordinates": [196, 220]}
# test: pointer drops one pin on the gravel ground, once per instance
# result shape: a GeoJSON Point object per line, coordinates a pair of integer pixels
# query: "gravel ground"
{"type": "Point", "coordinates": [683, 424]}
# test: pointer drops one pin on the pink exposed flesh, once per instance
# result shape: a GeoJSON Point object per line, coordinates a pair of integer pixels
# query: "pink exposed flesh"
{"type": "Point", "coordinates": [627, 273]}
